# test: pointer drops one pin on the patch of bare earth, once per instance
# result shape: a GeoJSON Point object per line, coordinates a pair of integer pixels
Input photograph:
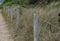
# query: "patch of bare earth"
{"type": "Point", "coordinates": [4, 32]}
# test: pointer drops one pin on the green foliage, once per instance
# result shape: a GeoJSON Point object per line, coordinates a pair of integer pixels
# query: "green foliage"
{"type": "Point", "coordinates": [15, 2]}
{"type": "Point", "coordinates": [8, 3]}
{"type": "Point", "coordinates": [21, 1]}
{"type": "Point", "coordinates": [32, 1]}
{"type": "Point", "coordinates": [53, 5]}
{"type": "Point", "coordinates": [25, 2]}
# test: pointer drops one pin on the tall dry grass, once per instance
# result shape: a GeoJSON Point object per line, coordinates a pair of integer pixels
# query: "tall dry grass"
{"type": "Point", "coordinates": [46, 32]}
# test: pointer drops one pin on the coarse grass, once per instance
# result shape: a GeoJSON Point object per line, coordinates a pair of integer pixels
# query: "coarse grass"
{"type": "Point", "coordinates": [50, 32]}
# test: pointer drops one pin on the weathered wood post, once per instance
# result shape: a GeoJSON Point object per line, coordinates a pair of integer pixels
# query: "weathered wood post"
{"type": "Point", "coordinates": [17, 17]}
{"type": "Point", "coordinates": [11, 14]}
{"type": "Point", "coordinates": [4, 8]}
{"type": "Point", "coordinates": [8, 10]}
{"type": "Point", "coordinates": [35, 27]}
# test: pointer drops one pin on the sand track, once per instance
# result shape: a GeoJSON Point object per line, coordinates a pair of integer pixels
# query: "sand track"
{"type": "Point", "coordinates": [4, 32]}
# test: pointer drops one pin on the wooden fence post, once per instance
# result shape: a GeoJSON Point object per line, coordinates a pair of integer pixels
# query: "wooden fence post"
{"type": "Point", "coordinates": [35, 27]}
{"type": "Point", "coordinates": [17, 17]}
{"type": "Point", "coordinates": [11, 14]}
{"type": "Point", "coordinates": [8, 10]}
{"type": "Point", "coordinates": [4, 8]}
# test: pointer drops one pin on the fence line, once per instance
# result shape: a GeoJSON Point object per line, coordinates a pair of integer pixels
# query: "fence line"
{"type": "Point", "coordinates": [10, 10]}
{"type": "Point", "coordinates": [35, 20]}
{"type": "Point", "coordinates": [11, 13]}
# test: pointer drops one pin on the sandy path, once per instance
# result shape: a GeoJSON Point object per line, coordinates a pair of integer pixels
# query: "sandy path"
{"type": "Point", "coordinates": [4, 33]}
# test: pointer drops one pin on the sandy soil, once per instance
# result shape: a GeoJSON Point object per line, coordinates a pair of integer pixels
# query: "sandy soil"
{"type": "Point", "coordinates": [4, 32]}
